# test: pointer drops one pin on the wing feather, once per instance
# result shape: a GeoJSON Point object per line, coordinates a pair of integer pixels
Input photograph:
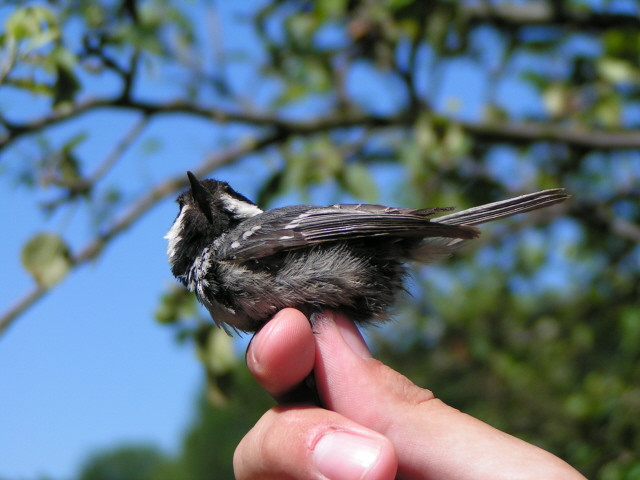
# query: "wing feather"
{"type": "Point", "coordinates": [297, 227]}
{"type": "Point", "coordinates": [505, 208]}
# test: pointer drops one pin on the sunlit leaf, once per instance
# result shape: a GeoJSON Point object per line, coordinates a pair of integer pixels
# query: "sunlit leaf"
{"type": "Point", "coordinates": [221, 357]}
{"type": "Point", "coordinates": [618, 71]}
{"type": "Point", "coordinates": [456, 142]}
{"type": "Point", "coordinates": [556, 99]}
{"type": "Point", "coordinates": [175, 305]}
{"type": "Point", "coordinates": [37, 24]}
{"type": "Point", "coordinates": [47, 258]}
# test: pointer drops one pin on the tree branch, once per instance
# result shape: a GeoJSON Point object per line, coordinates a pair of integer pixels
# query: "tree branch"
{"type": "Point", "coordinates": [519, 15]}
{"type": "Point", "coordinates": [523, 133]}
{"type": "Point", "coordinates": [601, 216]}
{"type": "Point", "coordinates": [21, 305]}
{"type": "Point", "coordinates": [85, 184]}
{"type": "Point", "coordinates": [501, 132]}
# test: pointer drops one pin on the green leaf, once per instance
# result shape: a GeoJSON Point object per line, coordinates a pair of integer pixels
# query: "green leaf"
{"type": "Point", "coordinates": [30, 85]}
{"type": "Point", "coordinates": [615, 70]}
{"type": "Point", "coordinates": [455, 142]}
{"type": "Point", "coordinates": [30, 22]}
{"type": "Point", "coordinates": [300, 28]}
{"type": "Point", "coordinates": [608, 111]}
{"type": "Point", "coordinates": [68, 164]}
{"type": "Point", "coordinates": [176, 304]}
{"type": "Point", "coordinates": [296, 171]}
{"type": "Point", "coordinates": [534, 78]}
{"type": "Point", "coordinates": [31, 28]}
{"type": "Point", "coordinates": [358, 181]}
{"type": "Point", "coordinates": [94, 14]}
{"type": "Point", "coordinates": [331, 8]}
{"type": "Point", "coordinates": [630, 327]}
{"type": "Point", "coordinates": [424, 134]}
{"type": "Point", "coordinates": [621, 43]}
{"type": "Point", "coordinates": [47, 258]}
{"type": "Point", "coordinates": [495, 113]}
{"type": "Point", "coordinates": [541, 45]}
{"type": "Point", "coordinates": [325, 159]}
{"type": "Point", "coordinates": [556, 98]}
{"type": "Point", "coordinates": [220, 357]}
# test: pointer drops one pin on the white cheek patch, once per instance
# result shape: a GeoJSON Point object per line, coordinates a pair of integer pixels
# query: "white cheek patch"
{"type": "Point", "coordinates": [173, 235]}
{"type": "Point", "coordinates": [240, 208]}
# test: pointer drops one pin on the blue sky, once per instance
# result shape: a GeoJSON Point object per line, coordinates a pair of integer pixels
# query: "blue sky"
{"type": "Point", "coordinates": [87, 367]}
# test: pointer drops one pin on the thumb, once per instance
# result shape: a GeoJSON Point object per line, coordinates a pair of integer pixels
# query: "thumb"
{"type": "Point", "coordinates": [351, 382]}
{"type": "Point", "coordinates": [431, 439]}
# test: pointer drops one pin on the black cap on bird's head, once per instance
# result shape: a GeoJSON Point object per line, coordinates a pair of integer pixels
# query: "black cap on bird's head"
{"type": "Point", "coordinates": [202, 197]}
{"type": "Point", "coordinates": [211, 196]}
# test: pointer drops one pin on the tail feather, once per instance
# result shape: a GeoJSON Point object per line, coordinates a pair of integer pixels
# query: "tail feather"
{"type": "Point", "coordinates": [504, 208]}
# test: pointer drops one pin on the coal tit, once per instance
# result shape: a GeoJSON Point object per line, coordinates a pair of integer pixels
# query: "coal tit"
{"type": "Point", "coordinates": [245, 264]}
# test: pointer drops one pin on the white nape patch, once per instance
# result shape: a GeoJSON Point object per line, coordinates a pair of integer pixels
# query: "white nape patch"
{"type": "Point", "coordinates": [173, 235]}
{"type": "Point", "coordinates": [240, 208]}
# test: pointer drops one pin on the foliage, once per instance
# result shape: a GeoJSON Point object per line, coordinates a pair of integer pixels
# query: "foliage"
{"type": "Point", "coordinates": [207, 446]}
{"type": "Point", "coordinates": [130, 462]}
{"type": "Point", "coordinates": [422, 103]}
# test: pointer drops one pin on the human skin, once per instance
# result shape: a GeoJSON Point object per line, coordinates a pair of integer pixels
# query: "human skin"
{"type": "Point", "coordinates": [376, 424]}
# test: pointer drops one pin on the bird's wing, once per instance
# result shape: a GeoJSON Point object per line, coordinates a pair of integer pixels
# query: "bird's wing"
{"type": "Point", "coordinates": [295, 227]}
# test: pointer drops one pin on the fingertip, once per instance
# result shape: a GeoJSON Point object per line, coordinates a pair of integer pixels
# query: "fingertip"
{"type": "Point", "coordinates": [282, 353]}
{"type": "Point", "coordinates": [352, 336]}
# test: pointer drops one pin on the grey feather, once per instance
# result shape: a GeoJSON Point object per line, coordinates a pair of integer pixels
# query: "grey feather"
{"type": "Point", "coordinates": [505, 208]}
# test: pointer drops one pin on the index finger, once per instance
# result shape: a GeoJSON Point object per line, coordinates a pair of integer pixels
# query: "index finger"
{"type": "Point", "coordinates": [281, 355]}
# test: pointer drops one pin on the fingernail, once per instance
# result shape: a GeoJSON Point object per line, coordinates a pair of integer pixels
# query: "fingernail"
{"type": "Point", "coordinates": [327, 323]}
{"type": "Point", "coordinates": [352, 336]}
{"type": "Point", "coordinates": [340, 455]}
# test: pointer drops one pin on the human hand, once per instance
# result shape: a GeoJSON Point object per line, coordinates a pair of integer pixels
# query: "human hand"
{"type": "Point", "coordinates": [377, 423]}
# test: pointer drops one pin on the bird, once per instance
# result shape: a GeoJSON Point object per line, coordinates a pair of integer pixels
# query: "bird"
{"type": "Point", "coordinates": [244, 264]}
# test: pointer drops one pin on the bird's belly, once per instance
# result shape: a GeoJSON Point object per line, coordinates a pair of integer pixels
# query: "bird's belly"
{"type": "Point", "coordinates": [246, 295]}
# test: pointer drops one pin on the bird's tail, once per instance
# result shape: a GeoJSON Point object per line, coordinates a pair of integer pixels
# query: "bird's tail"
{"type": "Point", "coordinates": [504, 208]}
{"type": "Point", "coordinates": [434, 248]}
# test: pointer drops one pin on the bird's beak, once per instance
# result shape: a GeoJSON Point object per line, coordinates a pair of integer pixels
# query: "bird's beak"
{"type": "Point", "coordinates": [200, 195]}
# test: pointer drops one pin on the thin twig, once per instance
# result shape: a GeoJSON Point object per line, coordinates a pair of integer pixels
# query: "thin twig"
{"type": "Point", "coordinates": [121, 147]}
{"type": "Point", "coordinates": [85, 184]}
{"type": "Point", "coordinates": [21, 305]}
{"type": "Point", "coordinates": [523, 15]}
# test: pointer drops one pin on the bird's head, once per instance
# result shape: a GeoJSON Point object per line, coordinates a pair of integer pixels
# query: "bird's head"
{"type": "Point", "coordinates": [207, 210]}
